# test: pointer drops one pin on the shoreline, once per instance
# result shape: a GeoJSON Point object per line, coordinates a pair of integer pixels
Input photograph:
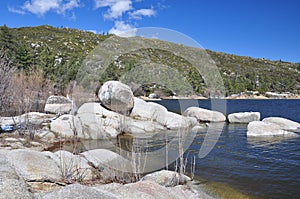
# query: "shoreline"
{"type": "Point", "coordinates": [252, 97]}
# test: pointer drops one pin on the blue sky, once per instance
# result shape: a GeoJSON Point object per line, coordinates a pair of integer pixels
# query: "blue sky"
{"type": "Point", "coordinates": [258, 28]}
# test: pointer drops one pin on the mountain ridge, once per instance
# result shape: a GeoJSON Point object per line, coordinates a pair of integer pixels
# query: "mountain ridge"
{"type": "Point", "coordinates": [60, 52]}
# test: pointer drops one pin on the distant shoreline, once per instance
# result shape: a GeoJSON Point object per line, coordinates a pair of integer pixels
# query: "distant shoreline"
{"type": "Point", "coordinates": [262, 97]}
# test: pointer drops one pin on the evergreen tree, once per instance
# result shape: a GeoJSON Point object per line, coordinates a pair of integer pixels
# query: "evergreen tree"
{"type": "Point", "coordinates": [8, 42]}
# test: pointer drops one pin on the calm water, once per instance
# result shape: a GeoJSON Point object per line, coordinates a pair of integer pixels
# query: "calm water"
{"type": "Point", "coordinates": [260, 168]}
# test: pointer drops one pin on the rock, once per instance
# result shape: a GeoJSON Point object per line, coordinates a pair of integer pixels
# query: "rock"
{"type": "Point", "coordinates": [11, 185]}
{"type": "Point", "coordinates": [67, 126]}
{"type": "Point", "coordinates": [153, 96]}
{"type": "Point", "coordinates": [167, 178]}
{"type": "Point", "coordinates": [96, 109]}
{"type": "Point", "coordinates": [174, 121]}
{"type": "Point", "coordinates": [140, 189]}
{"type": "Point", "coordinates": [285, 124]}
{"type": "Point", "coordinates": [79, 192]}
{"type": "Point", "coordinates": [58, 105]}
{"type": "Point", "coordinates": [33, 165]}
{"type": "Point", "coordinates": [204, 115]}
{"type": "Point", "coordinates": [156, 112]}
{"type": "Point", "coordinates": [107, 160]}
{"type": "Point", "coordinates": [73, 167]}
{"type": "Point", "coordinates": [183, 191]}
{"type": "Point", "coordinates": [141, 127]}
{"type": "Point", "coordinates": [145, 110]}
{"type": "Point", "coordinates": [150, 189]}
{"type": "Point", "coordinates": [117, 97]}
{"type": "Point", "coordinates": [44, 135]}
{"type": "Point", "coordinates": [243, 117]}
{"type": "Point", "coordinates": [98, 122]}
{"type": "Point", "coordinates": [263, 129]}
{"type": "Point", "coordinates": [34, 118]}
{"type": "Point", "coordinates": [197, 129]}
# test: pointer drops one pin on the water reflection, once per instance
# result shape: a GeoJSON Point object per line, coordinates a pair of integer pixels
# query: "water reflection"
{"type": "Point", "coordinates": [267, 142]}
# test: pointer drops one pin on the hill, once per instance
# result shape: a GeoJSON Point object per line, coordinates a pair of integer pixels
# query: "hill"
{"type": "Point", "coordinates": [60, 52]}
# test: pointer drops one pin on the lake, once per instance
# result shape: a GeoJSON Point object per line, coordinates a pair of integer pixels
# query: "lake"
{"type": "Point", "coordinates": [237, 166]}
{"type": "Point", "coordinates": [259, 168]}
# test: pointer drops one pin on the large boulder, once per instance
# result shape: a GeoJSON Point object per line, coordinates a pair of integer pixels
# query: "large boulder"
{"type": "Point", "coordinates": [243, 117]}
{"type": "Point", "coordinates": [204, 115]}
{"type": "Point", "coordinates": [98, 122]}
{"type": "Point", "coordinates": [263, 129]}
{"type": "Point", "coordinates": [146, 110]}
{"type": "Point", "coordinates": [67, 126]}
{"type": "Point", "coordinates": [34, 165]}
{"type": "Point", "coordinates": [285, 124]}
{"type": "Point", "coordinates": [11, 185]}
{"type": "Point", "coordinates": [58, 105]}
{"type": "Point", "coordinates": [155, 112]}
{"type": "Point", "coordinates": [107, 161]}
{"type": "Point", "coordinates": [72, 166]}
{"type": "Point", "coordinates": [117, 97]}
{"type": "Point", "coordinates": [174, 121]}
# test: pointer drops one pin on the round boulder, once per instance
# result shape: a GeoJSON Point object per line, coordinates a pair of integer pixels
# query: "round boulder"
{"type": "Point", "coordinates": [117, 97]}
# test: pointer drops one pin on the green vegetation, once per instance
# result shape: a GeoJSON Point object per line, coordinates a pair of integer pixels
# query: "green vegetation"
{"type": "Point", "coordinates": [60, 52]}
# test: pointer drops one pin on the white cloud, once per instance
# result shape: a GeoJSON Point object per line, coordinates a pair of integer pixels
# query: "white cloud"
{"type": "Point", "coordinates": [139, 14]}
{"type": "Point", "coordinates": [69, 6]}
{"type": "Point", "coordinates": [116, 7]}
{"type": "Point", "coordinates": [41, 7]}
{"type": "Point", "coordinates": [11, 9]}
{"type": "Point", "coordinates": [123, 29]}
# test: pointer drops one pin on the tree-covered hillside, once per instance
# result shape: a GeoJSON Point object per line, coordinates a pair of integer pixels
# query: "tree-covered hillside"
{"type": "Point", "coordinates": [60, 52]}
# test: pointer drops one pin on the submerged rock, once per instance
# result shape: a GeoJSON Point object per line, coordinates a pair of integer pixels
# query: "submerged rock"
{"type": "Point", "coordinates": [204, 115]}
{"type": "Point", "coordinates": [243, 117]}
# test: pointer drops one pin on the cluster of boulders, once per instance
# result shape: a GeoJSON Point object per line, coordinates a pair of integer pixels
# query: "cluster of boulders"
{"type": "Point", "coordinates": [273, 126]}
{"type": "Point", "coordinates": [31, 174]}
{"type": "Point", "coordinates": [120, 112]}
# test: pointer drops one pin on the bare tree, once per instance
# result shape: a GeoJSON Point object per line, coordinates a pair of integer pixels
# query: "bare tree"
{"type": "Point", "coordinates": [6, 72]}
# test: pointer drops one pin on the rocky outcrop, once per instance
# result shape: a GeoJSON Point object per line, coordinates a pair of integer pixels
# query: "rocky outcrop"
{"type": "Point", "coordinates": [267, 129]}
{"type": "Point", "coordinates": [243, 117]}
{"type": "Point", "coordinates": [117, 97]}
{"type": "Point", "coordinates": [45, 174]}
{"type": "Point", "coordinates": [285, 124]}
{"type": "Point", "coordinates": [204, 115]}
{"type": "Point", "coordinates": [58, 105]}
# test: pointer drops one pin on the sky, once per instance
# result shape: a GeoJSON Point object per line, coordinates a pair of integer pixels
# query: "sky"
{"type": "Point", "coordinates": [267, 29]}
